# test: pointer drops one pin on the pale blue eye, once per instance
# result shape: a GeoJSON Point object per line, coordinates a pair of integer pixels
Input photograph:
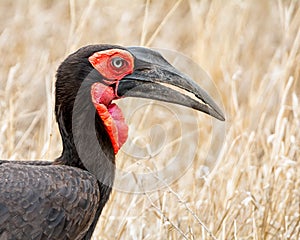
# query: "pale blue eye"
{"type": "Point", "coordinates": [118, 62]}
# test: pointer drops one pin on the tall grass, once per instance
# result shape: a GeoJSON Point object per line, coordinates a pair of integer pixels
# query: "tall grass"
{"type": "Point", "coordinates": [251, 50]}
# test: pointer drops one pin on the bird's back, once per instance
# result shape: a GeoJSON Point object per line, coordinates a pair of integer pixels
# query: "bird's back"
{"type": "Point", "coordinates": [40, 200]}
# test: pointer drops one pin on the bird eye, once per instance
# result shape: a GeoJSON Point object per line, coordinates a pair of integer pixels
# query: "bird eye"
{"type": "Point", "coordinates": [118, 62]}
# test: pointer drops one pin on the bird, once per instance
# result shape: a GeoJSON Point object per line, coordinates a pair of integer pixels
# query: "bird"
{"type": "Point", "coordinates": [63, 198]}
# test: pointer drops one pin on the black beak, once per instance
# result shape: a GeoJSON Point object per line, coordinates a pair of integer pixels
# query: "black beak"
{"type": "Point", "coordinates": [152, 73]}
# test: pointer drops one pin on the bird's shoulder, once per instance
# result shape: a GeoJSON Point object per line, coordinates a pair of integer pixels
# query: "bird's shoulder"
{"type": "Point", "coordinates": [42, 200]}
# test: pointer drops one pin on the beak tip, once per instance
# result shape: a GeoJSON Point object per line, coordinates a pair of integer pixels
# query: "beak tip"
{"type": "Point", "coordinates": [222, 118]}
{"type": "Point", "coordinates": [218, 115]}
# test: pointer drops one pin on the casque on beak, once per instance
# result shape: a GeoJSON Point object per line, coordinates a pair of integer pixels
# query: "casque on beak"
{"type": "Point", "coordinates": [152, 73]}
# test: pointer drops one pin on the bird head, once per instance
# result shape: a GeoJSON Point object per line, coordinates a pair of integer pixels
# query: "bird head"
{"type": "Point", "coordinates": [116, 72]}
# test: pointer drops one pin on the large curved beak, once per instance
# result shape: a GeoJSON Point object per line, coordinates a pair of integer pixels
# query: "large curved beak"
{"type": "Point", "coordinates": [155, 78]}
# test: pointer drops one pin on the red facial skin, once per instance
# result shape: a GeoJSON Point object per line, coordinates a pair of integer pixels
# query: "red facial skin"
{"type": "Point", "coordinates": [103, 63]}
{"type": "Point", "coordinates": [113, 65]}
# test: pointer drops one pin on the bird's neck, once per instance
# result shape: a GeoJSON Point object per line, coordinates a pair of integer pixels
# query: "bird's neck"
{"type": "Point", "coordinates": [86, 143]}
{"type": "Point", "coordinates": [69, 155]}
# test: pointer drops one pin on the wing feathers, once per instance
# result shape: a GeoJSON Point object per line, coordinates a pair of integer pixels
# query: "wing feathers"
{"type": "Point", "coordinates": [46, 201]}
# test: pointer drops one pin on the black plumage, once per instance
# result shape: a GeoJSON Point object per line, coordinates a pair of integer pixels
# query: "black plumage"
{"type": "Point", "coordinates": [63, 199]}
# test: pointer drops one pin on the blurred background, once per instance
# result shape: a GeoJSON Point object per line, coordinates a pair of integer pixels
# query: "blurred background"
{"type": "Point", "coordinates": [249, 55]}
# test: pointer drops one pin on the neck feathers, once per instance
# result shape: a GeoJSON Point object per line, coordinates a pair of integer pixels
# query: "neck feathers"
{"type": "Point", "coordinates": [86, 143]}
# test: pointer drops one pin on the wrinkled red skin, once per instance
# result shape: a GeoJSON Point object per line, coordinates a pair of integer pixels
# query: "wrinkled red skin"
{"type": "Point", "coordinates": [101, 61]}
{"type": "Point", "coordinates": [103, 95]}
{"type": "Point", "coordinates": [110, 114]}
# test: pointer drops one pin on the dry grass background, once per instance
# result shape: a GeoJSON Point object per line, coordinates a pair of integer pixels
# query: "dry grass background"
{"type": "Point", "coordinates": [251, 49]}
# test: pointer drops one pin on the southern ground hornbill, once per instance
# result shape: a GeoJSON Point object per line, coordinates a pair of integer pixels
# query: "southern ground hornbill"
{"type": "Point", "coordinates": [63, 199]}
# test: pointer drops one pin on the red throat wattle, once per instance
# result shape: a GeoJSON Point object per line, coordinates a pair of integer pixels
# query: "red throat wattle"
{"type": "Point", "coordinates": [110, 114]}
{"type": "Point", "coordinates": [113, 65]}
